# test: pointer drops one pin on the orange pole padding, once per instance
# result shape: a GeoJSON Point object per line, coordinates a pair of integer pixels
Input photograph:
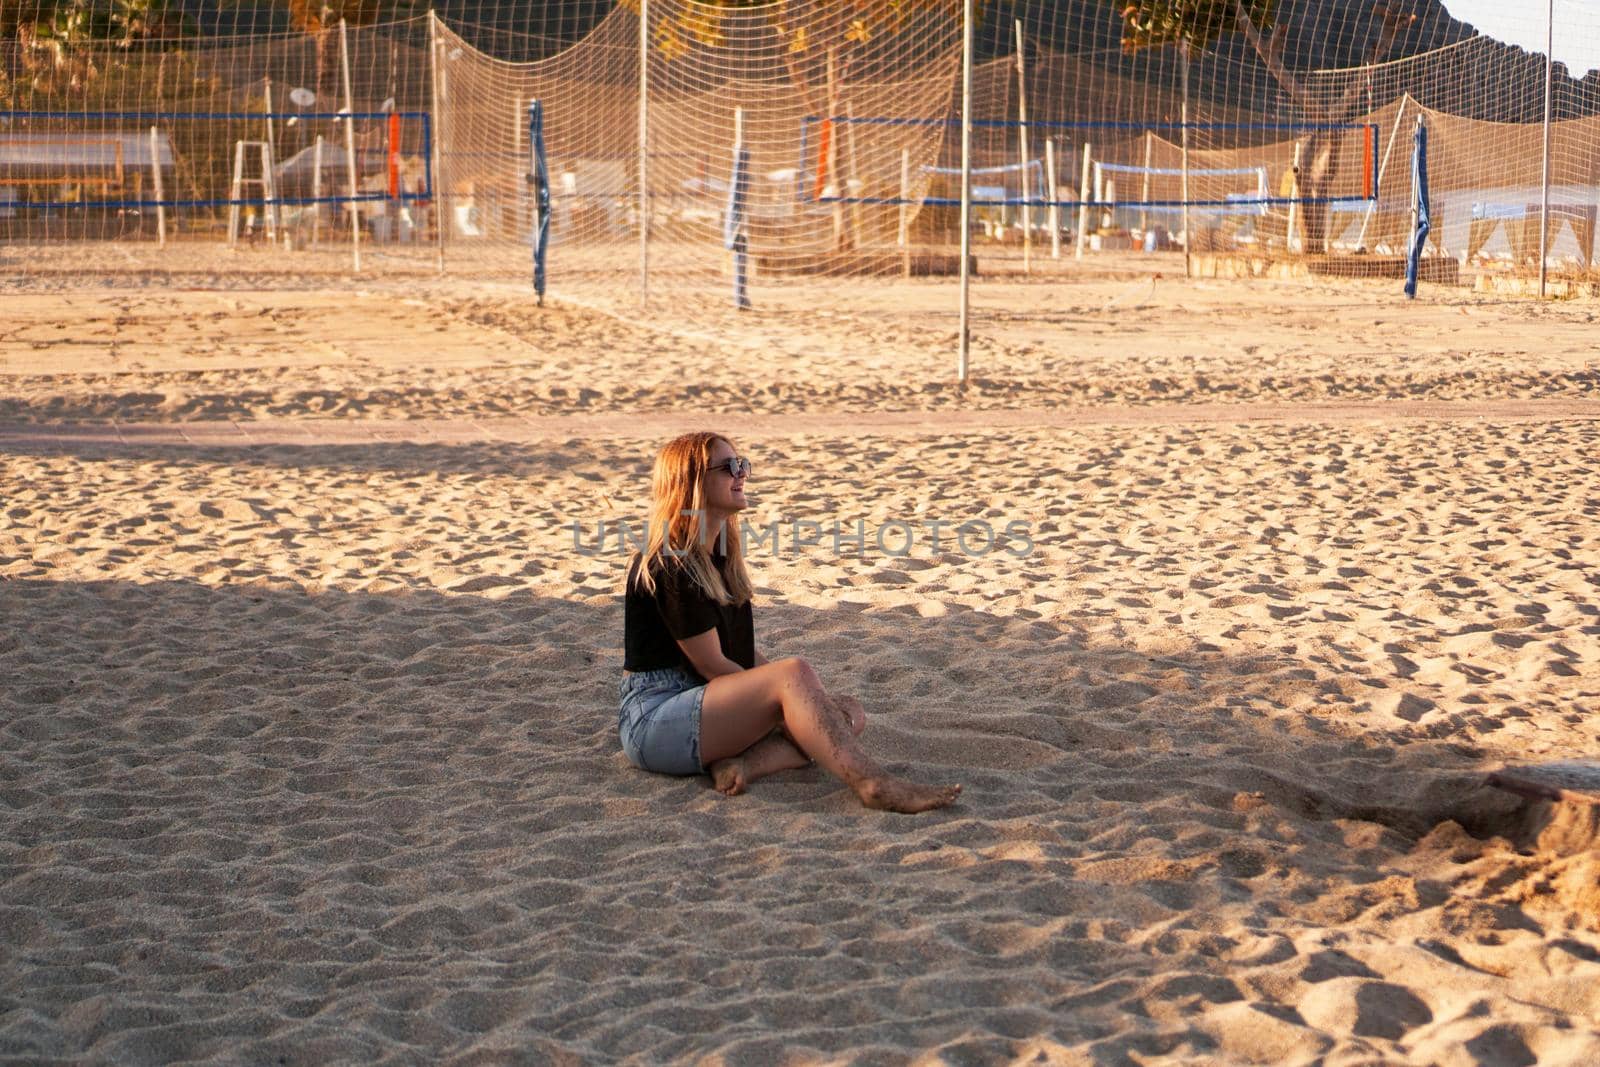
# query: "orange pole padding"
{"type": "Point", "coordinates": [394, 156]}
{"type": "Point", "coordinates": [824, 143]}
{"type": "Point", "coordinates": [1369, 154]}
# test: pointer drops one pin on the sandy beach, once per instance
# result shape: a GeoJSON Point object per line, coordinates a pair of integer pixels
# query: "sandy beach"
{"type": "Point", "coordinates": [308, 740]}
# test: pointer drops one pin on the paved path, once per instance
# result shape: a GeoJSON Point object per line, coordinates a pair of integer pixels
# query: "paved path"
{"type": "Point", "coordinates": [652, 425]}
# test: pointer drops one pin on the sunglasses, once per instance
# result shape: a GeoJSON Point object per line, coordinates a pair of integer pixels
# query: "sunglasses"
{"type": "Point", "coordinates": [737, 467]}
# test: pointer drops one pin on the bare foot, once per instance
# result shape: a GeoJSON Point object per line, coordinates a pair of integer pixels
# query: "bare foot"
{"type": "Point", "coordinates": [898, 794]}
{"type": "Point", "coordinates": [728, 776]}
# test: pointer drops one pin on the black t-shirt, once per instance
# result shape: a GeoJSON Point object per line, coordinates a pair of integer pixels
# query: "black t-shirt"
{"type": "Point", "coordinates": [653, 624]}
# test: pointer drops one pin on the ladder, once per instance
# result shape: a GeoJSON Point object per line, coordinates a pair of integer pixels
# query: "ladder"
{"type": "Point", "coordinates": [263, 153]}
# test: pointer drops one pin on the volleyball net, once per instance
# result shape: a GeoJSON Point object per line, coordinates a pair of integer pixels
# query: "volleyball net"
{"type": "Point", "coordinates": [415, 132]}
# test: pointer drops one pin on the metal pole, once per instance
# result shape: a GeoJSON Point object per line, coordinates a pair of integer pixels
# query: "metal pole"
{"type": "Point", "coordinates": [350, 147]}
{"type": "Point", "coordinates": [437, 152]}
{"type": "Point", "coordinates": [1544, 207]}
{"type": "Point", "coordinates": [155, 173]}
{"type": "Point", "coordinates": [966, 183]}
{"type": "Point", "coordinates": [644, 152]}
{"type": "Point", "coordinates": [1416, 199]}
{"type": "Point", "coordinates": [1022, 145]}
{"type": "Point", "coordinates": [1188, 248]}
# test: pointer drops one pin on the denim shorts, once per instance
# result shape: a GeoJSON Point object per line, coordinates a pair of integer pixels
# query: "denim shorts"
{"type": "Point", "coordinates": [659, 720]}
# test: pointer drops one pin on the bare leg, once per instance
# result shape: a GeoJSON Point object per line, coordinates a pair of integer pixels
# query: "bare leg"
{"type": "Point", "coordinates": [771, 754]}
{"type": "Point", "coordinates": [853, 712]}
{"type": "Point", "coordinates": [777, 752]}
{"type": "Point", "coordinates": [741, 709]}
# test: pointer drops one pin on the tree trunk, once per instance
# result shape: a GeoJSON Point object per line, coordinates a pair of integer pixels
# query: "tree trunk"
{"type": "Point", "coordinates": [1322, 147]}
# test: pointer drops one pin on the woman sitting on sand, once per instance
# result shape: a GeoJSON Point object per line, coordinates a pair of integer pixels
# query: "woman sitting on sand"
{"type": "Point", "coordinates": [696, 695]}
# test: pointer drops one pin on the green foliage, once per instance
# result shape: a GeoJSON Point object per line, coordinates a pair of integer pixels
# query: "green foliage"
{"type": "Point", "coordinates": [1199, 23]}
{"type": "Point", "coordinates": [91, 54]}
{"type": "Point", "coordinates": [804, 24]}
{"type": "Point", "coordinates": [73, 21]}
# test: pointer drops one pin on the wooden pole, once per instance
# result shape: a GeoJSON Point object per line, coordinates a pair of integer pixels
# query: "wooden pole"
{"type": "Point", "coordinates": [833, 155]}
{"type": "Point", "coordinates": [1083, 200]}
{"type": "Point", "coordinates": [1052, 216]}
{"type": "Point", "coordinates": [1022, 148]}
{"type": "Point", "coordinates": [155, 173]}
{"type": "Point", "coordinates": [272, 221]}
{"type": "Point", "coordinates": [644, 153]}
{"type": "Point", "coordinates": [1188, 247]}
{"type": "Point", "coordinates": [1544, 204]}
{"type": "Point", "coordinates": [903, 234]}
{"type": "Point", "coordinates": [1289, 243]}
{"type": "Point", "coordinates": [350, 147]}
{"type": "Point", "coordinates": [316, 191]}
{"type": "Point", "coordinates": [235, 193]}
{"type": "Point", "coordinates": [966, 183]}
{"type": "Point", "coordinates": [1144, 191]}
{"type": "Point", "coordinates": [436, 149]}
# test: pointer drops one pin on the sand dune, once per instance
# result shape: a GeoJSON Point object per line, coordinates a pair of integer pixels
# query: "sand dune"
{"type": "Point", "coordinates": [309, 749]}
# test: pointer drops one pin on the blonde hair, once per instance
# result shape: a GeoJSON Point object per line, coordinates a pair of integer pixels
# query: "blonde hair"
{"type": "Point", "coordinates": [678, 536]}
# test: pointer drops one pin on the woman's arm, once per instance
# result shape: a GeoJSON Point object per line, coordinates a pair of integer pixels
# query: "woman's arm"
{"type": "Point", "coordinates": [705, 653]}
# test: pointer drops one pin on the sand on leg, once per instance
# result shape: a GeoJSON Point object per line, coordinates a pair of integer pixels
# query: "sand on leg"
{"type": "Point", "coordinates": [741, 709]}
{"type": "Point", "coordinates": [778, 752]}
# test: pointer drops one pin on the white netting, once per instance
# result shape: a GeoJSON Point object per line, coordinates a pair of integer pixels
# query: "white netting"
{"type": "Point", "coordinates": [744, 73]}
{"type": "Point", "coordinates": [1295, 141]}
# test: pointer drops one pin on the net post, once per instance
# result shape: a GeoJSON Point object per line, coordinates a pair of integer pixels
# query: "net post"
{"type": "Point", "coordinates": [393, 156]}
{"type": "Point", "coordinates": [350, 147]}
{"type": "Point", "coordinates": [734, 237]}
{"type": "Point", "coordinates": [233, 193]}
{"type": "Point", "coordinates": [1144, 190]}
{"type": "Point", "coordinates": [1369, 161]}
{"type": "Point", "coordinates": [965, 340]}
{"type": "Point", "coordinates": [1544, 182]}
{"type": "Point", "coordinates": [1083, 200]}
{"type": "Point", "coordinates": [1052, 213]}
{"type": "Point", "coordinates": [433, 131]}
{"type": "Point", "coordinates": [1421, 222]}
{"type": "Point", "coordinates": [832, 156]}
{"type": "Point", "coordinates": [903, 231]}
{"type": "Point", "coordinates": [1294, 200]}
{"type": "Point", "coordinates": [273, 221]}
{"type": "Point", "coordinates": [316, 192]}
{"type": "Point", "coordinates": [1022, 146]}
{"type": "Point", "coordinates": [800, 171]}
{"type": "Point", "coordinates": [644, 153]}
{"type": "Point", "coordinates": [269, 193]}
{"type": "Point", "coordinates": [1188, 244]}
{"type": "Point", "coordinates": [539, 178]}
{"type": "Point", "coordinates": [155, 174]}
